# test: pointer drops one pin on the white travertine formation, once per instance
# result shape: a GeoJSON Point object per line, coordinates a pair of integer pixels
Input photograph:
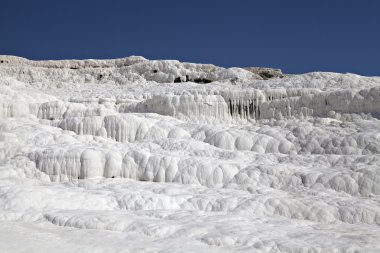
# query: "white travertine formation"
{"type": "Point", "coordinates": [164, 156]}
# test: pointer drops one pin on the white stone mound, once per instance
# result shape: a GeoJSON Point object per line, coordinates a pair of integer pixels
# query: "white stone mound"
{"type": "Point", "coordinates": [164, 156]}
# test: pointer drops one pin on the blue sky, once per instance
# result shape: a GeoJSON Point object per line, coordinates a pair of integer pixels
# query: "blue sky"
{"type": "Point", "coordinates": [296, 36]}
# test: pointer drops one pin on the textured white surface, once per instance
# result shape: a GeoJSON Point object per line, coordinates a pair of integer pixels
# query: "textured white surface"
{"type": "Point", "coordinates": [132, 155]}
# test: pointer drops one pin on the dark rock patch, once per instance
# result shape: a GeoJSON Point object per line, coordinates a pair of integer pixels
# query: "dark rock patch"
{"type": "Point", "coordinates": [202, 80]}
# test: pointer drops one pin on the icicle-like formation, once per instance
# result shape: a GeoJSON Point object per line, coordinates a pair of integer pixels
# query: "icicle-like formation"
{"type": "Point", "coordinates": [196, 107]}
{"type": "Point", "coordinates": [258, 104]}
{"type": "Point", "coordinates": [125, 128]}
{"type": "Point", "coordinates": [320, 104]}
{"type": "Point", "coordinates": [83, 163]}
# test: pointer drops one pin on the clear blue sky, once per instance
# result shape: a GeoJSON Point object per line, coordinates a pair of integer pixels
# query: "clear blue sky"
{"type": "Point", "coordinates": [296, 36]}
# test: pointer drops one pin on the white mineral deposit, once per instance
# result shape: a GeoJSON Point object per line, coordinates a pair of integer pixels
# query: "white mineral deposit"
{"type": "Point", "coordinates": [137, 155]}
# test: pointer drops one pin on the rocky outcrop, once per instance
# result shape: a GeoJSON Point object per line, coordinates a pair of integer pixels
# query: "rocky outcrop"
{"type": "Point", "coordinates": [266, 73]}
